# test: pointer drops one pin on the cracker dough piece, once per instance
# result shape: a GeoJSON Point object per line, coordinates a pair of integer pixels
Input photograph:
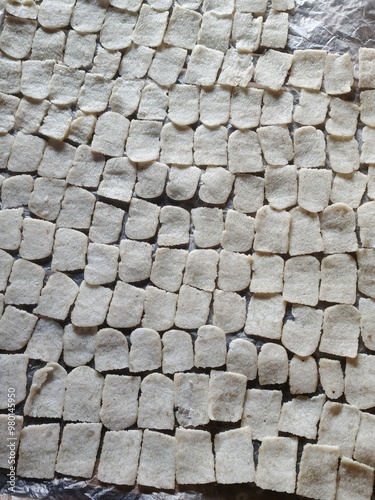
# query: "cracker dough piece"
{"type": "Point", "coordinates": [6, 263]}
{"type": "Point", "coordinates": [111, 131]}
{"type": "Point", "coordinates": [13, 374]}
{"type": "Point", "coordinates": [275, 30]}
{"type": "Point", "coordinates": [354, 480]}
{"type": "Point", "coordinates": [15, 191]}
{"type": "Point", "coordinates": [143, 142]}
{"type": "Point", "coordinates": [150, 27]}
{"type": "Point", "coordinates": [76, 208]}
{"type": "Point", "coordinates": [182, 185]}
{"type": "Point", "coordinates": [192, 307]}
{"type": "Point", "coordinates": [201, 269]}
{"type": "Point", "coordinates": [367, 150]}
{"type": "Point", "coordinates": [65, 85]}
{"type": "Point", "coordinates": [245, 155]}
{"type": "Point", "coordinates": [9, 105]}
{"type": "Point", "coordinates": [111, 350]}
{"type": "Point", "coordinates": [208, 226]}
{"type": "Point", "coordinates": [343, 154]}
{"type": "Point", "coordinates": [272, 69]}
{"type": "Point", "coordinates": [23, 9]}
{"type": "Point", "coordinates": [70, 249]}
{"type": "Point", "coordinates": [136, 61]}
{"type": "Point", "coordinates": [256, 7]}
{"type": "Point", "coordinates": [234, 462]}
{"type": "Point", "coordinates": [78, 448]}
{"type": "Point", "coordinates": [307, 69]}
{"type": "Point", "coordinates": [79, 345]}
{"type": "Point", "coordinates": [102, 264]}
{"type": "Point", "coordinates": [6, 143]}
{"type": "Point", "coordinates": [143, 220]}
{"type": "Point", "coordinates": [246, 31]}
{"type": "Point", "coordinates": [120, 402]}
{"type": "Point", "coordinates": [183, 28]}
{"type": "Point", "coordinates": [177, 355]}
{"type": "Point", "coordinates": [215, 32]}
{"type": "Point", "coordinates": [57, 159]}
{"type": "Point", "coordinates": [277, 462]}
{"type": "Point", "coordinates": [91, 305]}
{"type": "Point", "coordinates": [177, 145]}
{"type": "Point", "coordinates": [106, 223]}
{"type": "Point", "coordinates": [47, 391]}
{"type": "Point", "coordinates": [183, 104]}
{"type": "Point", "coordinates": [95, 93]}
{"type": "Point", "coordinates": [309, 147]}
{"type": "Point", "coordinates": [156, 402]}
{"type": "Point", "coordinates": [167, 268]}
{"type": "Point", "coordinates": [210, 146]}
{"type": "Point", "coordinates": [364, 444]}
{"type": "Point", "coordinates": [242, 357]}
{"type": "Point", "coordinates": [367, 311]}
{"type": "Point", "coordinates": [337, 223]}
{"type": "Point", "coordinates": [25, 283]}
{"type": "Point", "coordinates": [365, 213]}
{"type": "Point", "coordinates": [277, 108]}
{"type": "Point", "coordinates": [145, 351]}
{"type": "Point", "coordinates": [281, 5]}
{"type": "Point", "coordinates": [16, 424]}
{"type": "Point", "coordinates": [190, 4]}
{"type": "Point", "coordinates": [303, 375]}
{"type": "Point", "coordinates": [268, 271]}
{"type": "Point", "coordinates": [48, 45]}
{"type": "Point", "coordinates": [46, 341]}
{"type": "Point", "coordinates": [117, 30]}
{"type": "Point", "coordinates": [214, 105]}
{"type": "Point", "coordinates": [79, 49]}
{"type": "Point", "coordinates": [10, 76]}
{"type": "Point", "coordinates": [366, 68]}
{"type": "Point", "coordinates": [36, 77]}
{"type": "Point", "coordinates": [191, 399]}
{"type": "Point", "coordinates": [312, 108]}
{"type": "Point", "coordinates": [343, 118]}
{"type": "Point", "coordinates": [83, 395]}
{"type": "Point", "coordinates": [238, 232]}
{"type": "Point", "coordinates": [226, 394]}
{"type": "Point", "coordinates": [26, 153]}
{"type": "Point", "coordinates": [17, 37]}
{"type": "Point", "coordinates": [234, 271]}
{"type": "Point", "coordinates": [367, 107]}
{"type": "Point", "coordinates": [157, 469]}
{"type": "Point", "coordinates": [55, 14]}
{"type": "Point", "coordinates": [271, 230]}
{"type": "Point", "coordinates": [338, 74]}
{"type": "Point", "coordinates": [276, 144]}
{"type": "Point", "coordinates": [10, 228]}
{"type": "Point", "coordinates": [318, 471]}
{"type": "Point", "coordinates": [160, 309]}
{"type": "Point", "coordinates": [106, 63]}
{"type": "Point", "coordinates": [229, 311]}
{"type": "Point", "coordinates": [118, 179]}
{"type": "Point", "coordinates": [371, 182]}
{"type": "Point", "coordinates": [261, 412]}
{"type": "Point", "coordinates": [126, 308]}
{"type": "Point", "coordinates": [265, 316]}
{"type": "Point", "coordinates": [339, 426]}
{"type": "Point", "coordinates": [57, 297]}
{"type": "Point", "coordinates": [340, 331]}
{"type": "Point", "coordinates": [302, 334]}
{"type": "Point", "coordinates": [331, 377]}
{"type": "Point", "coordinates": [237, 70]}
{"type": "Point", "coordinates": [220, 7]}
{"type": "Point", "coordinates": [314, 189]}
{"type": "Point", "coordinates": [56, 123]}
{"type": "Point", "coordinates": [339, 279]}
{"type": "Point", "coordinates": [135, 262]}
{"type": "Point", "coordinates": [245, 107]}
{"type": "Point", "coordinates": [194, 459]}
{"type": "Point", "coordinates": [82, 128]}
{"type": "Point", "coordinates": [216, 186]}
{"type": "Point", "coordinates": [167, 65]}
{"type": "Point", "coordinates": [130, 5]}
{"type": "Point", "coordinates": [16, 327]}
{"type": "Point", "coordinates": [153, 104]}
{"type": "Point", "coordinates": [359, 381]}
{"type": "Point", "coordinates": [203, 66]}
{"type": "Point", "coordinates": [37, 451]}
{"type": "Point", "coordinates": [301, 415]}
{"type": "Point", "coordinates": [281, 186]}
{"type": "Point", "coordinates": [301, 280]}
{"type": "Point", "coordinates": [119, 457]}
{"type": "Point", "coordinates": [210, 347]}
{"type": "Point", "coordinates": [349, 189]}
{"type": "Point", "coordinates": [272, 364]}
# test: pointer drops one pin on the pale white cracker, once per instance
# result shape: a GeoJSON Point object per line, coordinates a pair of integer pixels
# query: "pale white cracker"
{"type": "Point", "coordinates": [338, 225]}
{"type": "Point", "coordinates": [272, 364]}
{"type": "Point", "coordinates": [192, 307]}
{"type": "Point", "coordinates": [242, 357]}
{"type": "Point", "coordinates": [248, 193]}
{"type": "Point", "coordinates": [130, 5]}
{"type": "Point", "coordinates": [229, 311]}
{"type": "Point", "coordinates": [282, 5]}
{"type": "Point", "coordinates": [314, 189]}
{"type": "Point", "coordinates": [371, 182]}
{"type": "Point", "coordinates": [267, 273]}
{"type": "Point", "coordinates": [338, 74]}
{"type": "Point", "coordinates": [245, 107]}
{"type": "Point", "coordinates": [246, 31]}
{"type": "Point", "coordinates": [303, 375]}
{"type": "Point", "coordinates": [365, 440]}
{"type": "Point", "coordinates": [157, 463]}
{"type": "Point", "coordinates": [17, 37]}
{"type": "Point", "coordinates": [77, 206]}
{"type": "Point", "coordinates": [145, 350]}
{"type": "Point", "coordinates": [331, 377]}
{"type": "Point", "coordinates": [160, 309]}
{"type": "Point", "coordinates": [91, 305]}
{"type": "Point", "coordinates": [271, 230]}
{"type": "Point", "coordinates": [354, 480]}
{"type": "Point", "coordinates": [307, 69]}
{"type": "Point", "coordinates": [256, 7]}
{"type": "Point", "coordinates": [102, 264]}
{"type": "Point", "coordinates": [26, 153]}
{"type": "Point", "coordinates": [265, 316]}
{"type": "Point", "coordinates": [237, 70]}
{"type": "Point", "coordinates": [214, 105]}
{"type": "Point", "coordinates": [57, 297]}
{"type": "Point", "coordinates": [57, 159]}
{"type": "Point", "coordinates": [194, 458]}
{"type": "Point", "coordinates": [210, 145]}
{"type": "Point", "coordinates": [276, 144]}
{"type": "Point", "coordinates": [88, 17]}
{"type": "Point", "coordinates": [135, 264]}
{"type": "Point", "coordinates": [301, 280]}
{"type": "Point", "coordinates": [272, 69]}
{"type": "Point", "coordinates": [10, 76]}
{"type": "Point", "coordinates": [13, 369]}
{"type": "Point", "coordinates": [281, 186]}
{"type": "Point", "coordinates": [118, 179]}
{"type": "Point", "coordinates": [238, 232]}
{"type": "Point", "coordinates": [215, 32]}
{"type": "Point", "coordinates": [156, 402]}
{"type": "Point", "coordinates": [208, 226]}
{"type": "Point", "coordinates": [6, 142]}
{"type": "Point", "coordinates": [349, 189]}
{"type": "Point", "coordinates": [174, 226]}
{"type": "Point", "coordinates": [143, 142]}
{"type": "Point", "coordinates": [82, 128]}
{"type": "Point", "coordinates": [201, 269]}
{"type": "Point", "coordinates": [191, 399]}
{"type": "Point", "coordinates": [48, 45]}
{"type": "Point", "coordinates": [300, 416]}
{"type": "Point", "coordinates": [360, 381]}
{"type": "Point", "coordinates": [312, 108]}
{"type": "Point", "coordinates": [69, 250]}
{"type": "Point", "coordinates": [6, 263]}
{"type": "Point", "coordinates": [126, 307]}
{"type": "Point", "coordinates": [117, 30]}
{"type": "Point", "coordinates": [234, 462]}
{"type": "Point", "coordinates": [277, 108]}
{"type": "Point", "coordinates": [177, 354]}
{"type": "Point", "coordinates": [150, 27]}
{"type": "Point", "coordinates": [275, 30]}
{"type": "Point", "coordinates": [183, 104]}
{"type": "Point", "coordinates": [79, 49]}
{"type": "Point", "coordinates": [182, 183]}
{"type": "Point", "coordinates": [94, 94]}
{"type": "Point", "coordinates": [367, 310]}
{"type": "Point", "coordinates": [226, 394]}
{"type": "Point", "coordinates": [9, 105]}
{"type": "Point", "coordinates": [120, 402]}
{"type": "Point", "coordinates": [339, 279]}
{"type": "Point", "coordinates": [177, 145]}
{"type": "Point", "coordinates": [17, 423]}
{"type": "Point", "coordinates": [367, 108]}
{"type": "Point", "coordinates": [343, 154]}
{"type": "Point", "coordinates": [79, 345]}
{"type": "Point", "coordinates": [65, 85]}
{"type": "Point", "coordinates": [234, 271]}
{"type": "Point", "coordinates": [366, 68]}
{"type": "Point", "coordinates": [262, 412]}
{"type": "Point", "coordinates": [340, 331]}
{"type": "Point", "coordinates": [167, 64]}
{"type": "Point", "coordinates": [167, 268]}
{"type": "Point", "coordinates": [10, 228]}
{"type": "Point", "coordinates": [111, 350]}
{"type": "Point", "coordinates": [36, 77]}
{"type": "Point", "coordinates": [25, 283]}
{"type": "Point", "coordinates": [244, 153]}
{"type": "Point", "coordinates": [210, 347]}
{"type": "Point", "coordinates": [183, 28]}
{"type": "Point", "coordinates": [365, 214]}
{"type": "Point", "coordinates": [309, 147]}
{"type": "Point", "coordinates": [368, 149]}
{"type": "Point", "coordinates": [216, 186]}
{"type": "Point", "coordinates": [56, 123]}
{"type": "Point", "coordinates": [136, 61]}
{"type": "Point", "coordinates": [203, 66]}
{"type": "Point", "coordinates": [111, 132]}
{"type": "Point", "coordinates": [106, 63]}
{"type": "Point", "coordinates": [16, 190]}
{"type": "Point", "coordinates": [343, 118]}
{"type": "Point", "coordinates": [107, 222]}
{"type": "Point", "coordinates": [46, 341]}
{"type": "Point", "coordinates": [143, 220]}
{"type": "Point", "coordinates": [16, 327]}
